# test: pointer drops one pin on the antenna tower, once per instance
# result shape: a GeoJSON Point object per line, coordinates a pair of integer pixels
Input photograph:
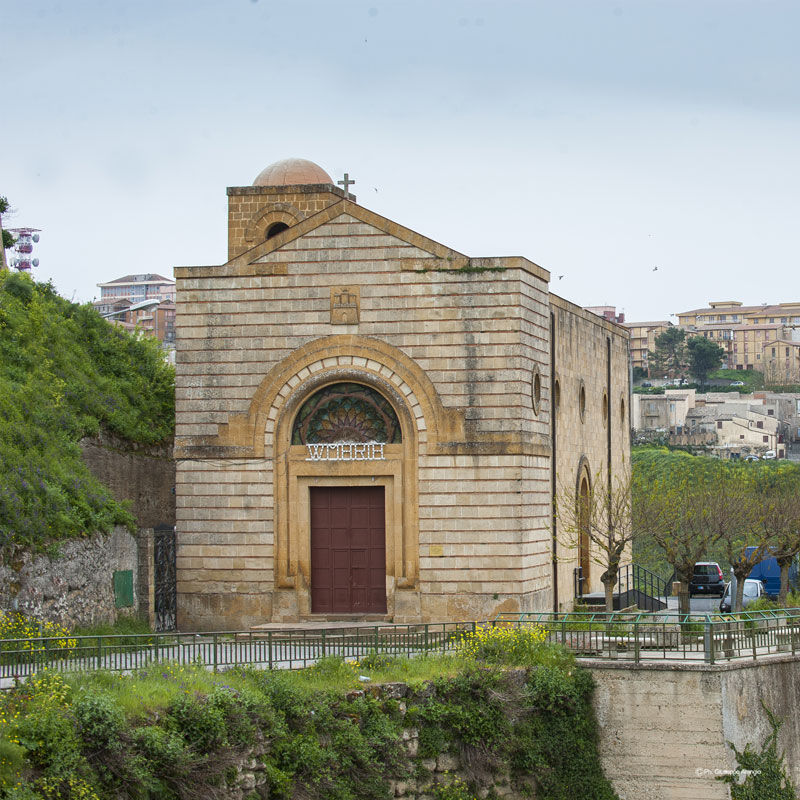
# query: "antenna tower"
{"type": "Point", "coordinates": [23, 248]}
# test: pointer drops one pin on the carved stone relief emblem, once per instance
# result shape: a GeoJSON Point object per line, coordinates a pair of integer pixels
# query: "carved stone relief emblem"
{"type": "Point", "coordinates": [344, 305]}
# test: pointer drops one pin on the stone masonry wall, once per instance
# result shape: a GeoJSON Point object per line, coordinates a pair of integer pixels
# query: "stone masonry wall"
{"type": "Point", "coordinates": [476, 334]}
{"type": "Point", "coordinates": [581, 359]}
{"type": "Point", "coordinates": [478, 330]}
{"type": "Point", "coordinates": [251, 779]}
{"type": "Point", "coordinates": [73, 586]}
{"type": "Point", "coordinates": [252, 209]}
{"type": "Point", "coordinates": [142, 474]}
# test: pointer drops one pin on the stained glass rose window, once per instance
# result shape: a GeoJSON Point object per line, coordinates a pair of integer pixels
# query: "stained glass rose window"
{"type": "Point", "coordinates": [346, 412]}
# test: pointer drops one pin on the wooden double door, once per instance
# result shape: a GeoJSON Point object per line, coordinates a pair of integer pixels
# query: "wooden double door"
{"type": "Point", "coordinates": [348, 550]}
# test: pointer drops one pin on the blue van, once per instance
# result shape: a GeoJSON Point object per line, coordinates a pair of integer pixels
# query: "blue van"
{"type": "Point", "coordinates": [769, 572]}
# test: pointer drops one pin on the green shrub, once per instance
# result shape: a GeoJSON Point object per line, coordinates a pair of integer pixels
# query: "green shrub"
{"type": "Point", "coordinates": [100, 720]}
{"type": "Point", "coordinates": [12, 760]}
{"type": "Point", "coordinates": [764, 771]}
{"type": "Point", "coordinates": [763, 603]}
{"type": "Point", "coordinates": [456, 790]}
{"type": "Point", "coordinates": [199, 721]}
{"type": "Point", "coordinates": [503, 644]}
{"type": "Point", "coordinates": [87, 739]}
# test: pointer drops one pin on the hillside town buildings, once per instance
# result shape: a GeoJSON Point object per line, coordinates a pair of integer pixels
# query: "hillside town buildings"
{"type": "Point", "coordinates": [728, 424]}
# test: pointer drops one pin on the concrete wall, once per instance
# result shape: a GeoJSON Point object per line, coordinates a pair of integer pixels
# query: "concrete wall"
{"type": "Point", "coordinates": [664, 729]}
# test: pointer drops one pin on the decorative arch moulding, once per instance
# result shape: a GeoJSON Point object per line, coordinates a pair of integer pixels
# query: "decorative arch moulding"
{"type": "Point", "coordinates": [352, 357]}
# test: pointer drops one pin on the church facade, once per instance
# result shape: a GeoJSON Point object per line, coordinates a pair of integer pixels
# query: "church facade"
{"type": "Point", "coordinates": [372, 425]}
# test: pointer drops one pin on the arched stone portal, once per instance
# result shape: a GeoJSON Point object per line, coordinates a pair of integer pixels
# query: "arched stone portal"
{"type": "Point", "coordinates": [345, 444]}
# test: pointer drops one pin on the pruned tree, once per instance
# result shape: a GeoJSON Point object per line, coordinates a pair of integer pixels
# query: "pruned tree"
{"type": "Point", "coordinates": [777, 515]}
{"type": "Point", "coordinates": [669, 354]}
{"type": "Point", "coordinates": [603, 517]}
{"type": "Point", "coordinates": [670, 493]}
{"type": "Point", "coordinates": [734, 506]}
{"type": "Point", "coordinates": [704, 356]}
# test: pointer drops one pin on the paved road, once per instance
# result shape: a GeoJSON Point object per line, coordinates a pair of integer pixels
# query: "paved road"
{"type": "Point", "coordinates": [698, 605]}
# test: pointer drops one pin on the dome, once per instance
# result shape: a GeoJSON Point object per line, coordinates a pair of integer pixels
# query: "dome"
{"type": "Point", "coordinates": [291, 172]}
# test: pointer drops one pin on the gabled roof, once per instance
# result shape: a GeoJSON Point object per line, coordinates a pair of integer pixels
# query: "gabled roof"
{"type": "Point", "coordinates": [438, 256]}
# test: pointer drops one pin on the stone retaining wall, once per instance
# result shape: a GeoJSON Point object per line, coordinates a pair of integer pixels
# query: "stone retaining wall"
{"type": "Point", "coordinates": [73, 585]}
{"type": "Point", "coordinates": [251, 779]}
{"type": "Point", "coordinates": [144, 475]}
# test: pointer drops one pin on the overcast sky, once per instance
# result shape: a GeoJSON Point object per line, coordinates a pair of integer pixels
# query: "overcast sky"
{"type": "Point", "coordinates": [598, 139]}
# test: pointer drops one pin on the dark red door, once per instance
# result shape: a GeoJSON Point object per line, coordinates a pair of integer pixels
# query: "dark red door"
{"type": "Point", "coordinates": [348, 550]}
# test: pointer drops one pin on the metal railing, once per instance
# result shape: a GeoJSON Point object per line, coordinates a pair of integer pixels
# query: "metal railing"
{"type": "Point", "coordinates": [272, 649]}
{"type": "Point", "coordinates": [630, 577]}
{"type": "Point", "coordinates": [709, 638]}
{"type": "Point", "coordinates": [635, 577]}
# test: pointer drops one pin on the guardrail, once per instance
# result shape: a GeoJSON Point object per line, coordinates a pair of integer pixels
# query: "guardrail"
{"type": "Point", "coordinates": [709, 638]}
{"type": "Point", "coordinates": [273, 649]}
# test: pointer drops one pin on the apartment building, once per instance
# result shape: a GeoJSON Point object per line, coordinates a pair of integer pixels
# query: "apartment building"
{"type": "Point", "coordinates": [643, 339]}
{"type": "Point", "coordinates": [732, 425]}
{"type": "Point", "coordinates": [765, 338]}
{"type": "Point", "coordinates": [137, 288]}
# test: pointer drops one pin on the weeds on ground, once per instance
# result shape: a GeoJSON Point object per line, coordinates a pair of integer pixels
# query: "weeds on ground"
{"type": "Point", "coordinates": [178, 731]}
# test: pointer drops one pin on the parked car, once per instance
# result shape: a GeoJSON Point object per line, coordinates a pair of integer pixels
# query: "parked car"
{"type": "Point", "coordinates": [645, 384]}
{"type": "Point", "coordinates": [707, 578]}
{"type": "Point", "coordinates": [753, 589]}
{"type": "Point", "coordinates": [769, 454]}
{"type": "Point", "coordinates": [751, 457]}
{"type": "Point", "coordinates": [737, 383]}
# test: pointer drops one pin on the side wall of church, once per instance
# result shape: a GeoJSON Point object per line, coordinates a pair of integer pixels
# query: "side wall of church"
{"type": "Point", "coordinates": [484, 501]}
{"type": "Point", "coordinates": [584, 343]}
{"type": "Point", "coordinates": [485, 547]}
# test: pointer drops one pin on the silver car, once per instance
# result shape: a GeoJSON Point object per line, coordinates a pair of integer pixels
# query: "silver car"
{"type": "Point", "coordinates": [753, 589]}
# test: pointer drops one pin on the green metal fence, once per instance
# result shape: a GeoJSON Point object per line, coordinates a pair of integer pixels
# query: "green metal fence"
{"type": "Point", "coordinates": [273, 649]}
{"type": "Point", "coordinates": [709, 638]}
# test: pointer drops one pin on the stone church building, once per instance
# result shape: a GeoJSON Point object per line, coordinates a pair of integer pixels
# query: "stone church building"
{"type": "Point", "coordinates": [372, 425]}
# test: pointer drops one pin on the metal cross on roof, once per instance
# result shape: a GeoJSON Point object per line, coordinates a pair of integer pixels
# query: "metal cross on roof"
{"type": "Point", "coordinates": [346, 183]}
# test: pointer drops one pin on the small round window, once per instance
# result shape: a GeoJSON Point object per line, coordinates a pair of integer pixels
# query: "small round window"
{"type": "Point", "coordinates": [536, 390]}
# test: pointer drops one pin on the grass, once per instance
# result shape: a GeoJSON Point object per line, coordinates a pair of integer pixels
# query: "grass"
{"type": "Point", "coordinates": [124, 626]}
{"type": "Point", "coordinates": [65, 374]}
{"type": "Point", "coordinates": [155, 686]}
{"type": "Point", "coordinates": [148, 691]}
{"type": "Point", "coordinates": [752, 379]}
{"type": "Point", "coordinates": [174, 730]}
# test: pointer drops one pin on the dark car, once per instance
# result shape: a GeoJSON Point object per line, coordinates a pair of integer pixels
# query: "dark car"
{"type": "Point", "coordinates": [707, 579]}
{"type": "Point", "coordinates": [645, 384]}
